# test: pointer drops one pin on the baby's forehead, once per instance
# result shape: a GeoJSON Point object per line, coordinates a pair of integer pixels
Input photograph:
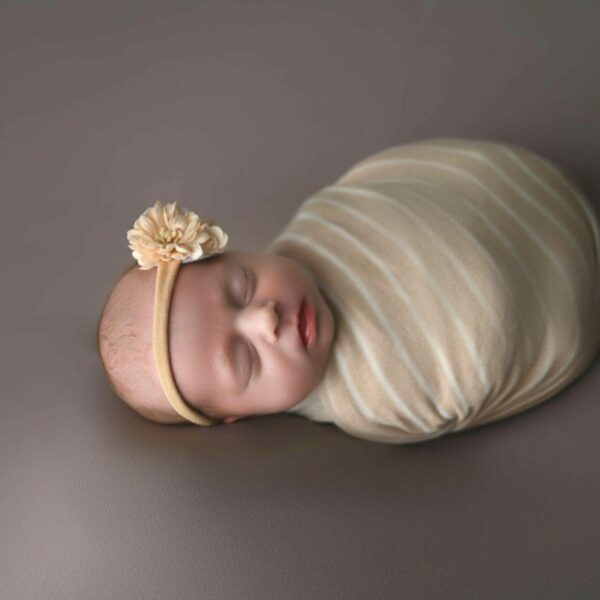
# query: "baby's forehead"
{"type": "Point", "coordinates": [202, 289]}
{"type": "Point", "coordinates": [204, 277]}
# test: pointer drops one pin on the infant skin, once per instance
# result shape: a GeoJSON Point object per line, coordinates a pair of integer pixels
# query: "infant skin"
{"type": "Point", "coordinates": [235, 346]}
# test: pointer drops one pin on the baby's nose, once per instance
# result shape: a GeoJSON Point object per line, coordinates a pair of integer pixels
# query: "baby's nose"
{"type": "Point", "coordinates": [263, 320]}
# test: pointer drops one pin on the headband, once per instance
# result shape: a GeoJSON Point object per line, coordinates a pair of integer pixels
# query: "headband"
{"type": "Point", "coordinates": [165, 237]}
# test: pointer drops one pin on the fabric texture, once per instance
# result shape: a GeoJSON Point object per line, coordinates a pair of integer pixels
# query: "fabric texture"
{"type": "Point", "coordinates": [463, 276]}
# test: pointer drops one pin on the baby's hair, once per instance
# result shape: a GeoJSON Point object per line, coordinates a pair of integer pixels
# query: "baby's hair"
{"type": "Point", "coordinates": [125, 355]}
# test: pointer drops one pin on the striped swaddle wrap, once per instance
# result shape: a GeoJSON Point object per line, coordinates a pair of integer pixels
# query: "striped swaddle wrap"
{"type": "Point", "coordinates": [463, 276]}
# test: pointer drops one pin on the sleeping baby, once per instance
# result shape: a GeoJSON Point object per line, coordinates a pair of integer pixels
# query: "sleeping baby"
{"type": "Point", "coordinates": [434, 287]}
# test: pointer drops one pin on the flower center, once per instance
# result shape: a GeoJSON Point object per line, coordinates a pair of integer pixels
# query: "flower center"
{"type": "Point", "coordinates": [169, 236]}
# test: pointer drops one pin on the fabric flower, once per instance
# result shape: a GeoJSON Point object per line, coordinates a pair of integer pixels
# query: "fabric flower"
{"type": "Point", "coordinates": [164, 233]}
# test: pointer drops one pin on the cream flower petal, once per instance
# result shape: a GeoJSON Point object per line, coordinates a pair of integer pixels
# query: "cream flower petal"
{"type": "Point", "coordinates": [164, 233]}
{"type": "Point", "coordinates": [157, 214]}
{"type": "Point", "coordinates": [198, 252]}
{"type": "Point", "coordinates": [145, 224]}
{"type": "Point", "coordinates": [192, 227]}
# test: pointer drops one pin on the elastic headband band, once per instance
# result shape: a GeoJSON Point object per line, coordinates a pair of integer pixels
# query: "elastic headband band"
{"type": "Point", "coordinates": [165, 237]}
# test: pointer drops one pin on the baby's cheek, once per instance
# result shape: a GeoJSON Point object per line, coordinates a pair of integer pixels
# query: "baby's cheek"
{"type": "Point", "coordinates": [305, 379]}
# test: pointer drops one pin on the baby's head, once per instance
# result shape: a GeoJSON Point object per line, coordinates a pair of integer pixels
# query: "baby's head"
{"type": "Point", "coordinates": [235, 347]}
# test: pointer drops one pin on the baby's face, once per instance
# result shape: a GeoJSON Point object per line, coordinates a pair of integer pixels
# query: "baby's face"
{"type": "Point", "coordinates": [235, 346]}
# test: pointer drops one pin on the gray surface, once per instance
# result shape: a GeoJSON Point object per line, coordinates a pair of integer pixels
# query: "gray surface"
{"type": "Point", "coordinates": [240, 111]}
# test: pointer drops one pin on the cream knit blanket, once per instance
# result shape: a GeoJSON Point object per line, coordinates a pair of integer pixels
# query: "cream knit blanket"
{"type": "Point", "coordinates": [463, 276]}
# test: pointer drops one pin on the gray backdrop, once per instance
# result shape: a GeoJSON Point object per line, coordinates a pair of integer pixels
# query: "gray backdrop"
{"type": "Point", "coordinates": [240, 110]}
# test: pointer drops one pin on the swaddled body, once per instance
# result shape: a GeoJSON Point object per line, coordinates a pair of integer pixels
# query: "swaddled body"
{"type": "Point", "coordinates": [463, 278]}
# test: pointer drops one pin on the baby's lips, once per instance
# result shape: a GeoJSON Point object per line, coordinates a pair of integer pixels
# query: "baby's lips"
{"type": "Point", "coordinates": [306, 324]}
{"type": "Point", "coordinates": [311, 318]}
{"type": "Point", "coordinates": [297, 324]}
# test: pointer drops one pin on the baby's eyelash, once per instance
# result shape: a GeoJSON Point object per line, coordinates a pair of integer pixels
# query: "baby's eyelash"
{"type": "Point", "coordinates": [255, 362]}
{"type": "Point", "coordinates": [254, 357]}
{"type": "Point", "coordinates": [250, 283]}
{"type": "Point", "coordinates": [247, 288]}
{"type": "Point", "coordinates": [250, 354]}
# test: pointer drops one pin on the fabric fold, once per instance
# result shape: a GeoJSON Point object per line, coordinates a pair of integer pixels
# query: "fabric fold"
{"type": "Point", "coordinates": [463, 279]}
